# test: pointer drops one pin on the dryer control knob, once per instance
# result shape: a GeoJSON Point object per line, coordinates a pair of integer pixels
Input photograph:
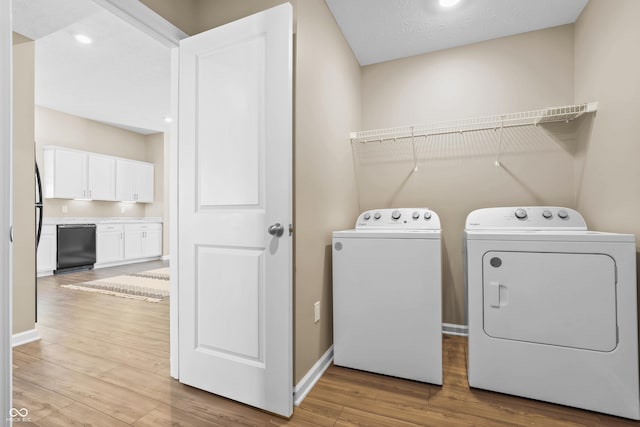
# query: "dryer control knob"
{"type": "Point", "coordinates": [427, 215]}
{"type": "Point", "coordinates": [521, 214]}
{"type": "Point", "coordinates": [547, 213]}
{"type": "Point", "coordinates": [416, 215]}
{"type": "Point", "coordinates": [367, 216]}
{"type": "Point", "coordinates": [563, 214]}
{"type": "Point", "coordinates": [377, 215]}
{"type": "Point", "coordinates": [395, 214]}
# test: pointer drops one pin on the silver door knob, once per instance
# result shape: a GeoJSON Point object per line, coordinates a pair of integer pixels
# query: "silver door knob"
{"type": "Point", "coordinates": [276, 229]}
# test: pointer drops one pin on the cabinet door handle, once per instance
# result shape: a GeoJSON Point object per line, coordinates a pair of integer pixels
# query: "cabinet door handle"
{"type": "Point", "coordinates": [120, 236]}
{"type": "Point", "coordinates": [84, 193]}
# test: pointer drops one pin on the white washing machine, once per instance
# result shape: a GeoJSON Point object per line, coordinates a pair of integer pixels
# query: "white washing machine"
{"type": "Point", "coordinates": [387, 294]}
{"type": "Point", "coordinates": [552, 309]}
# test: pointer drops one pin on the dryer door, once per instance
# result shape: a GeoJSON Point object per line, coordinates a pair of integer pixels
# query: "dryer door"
{"type": "Point", "coordinates": [562, 299]}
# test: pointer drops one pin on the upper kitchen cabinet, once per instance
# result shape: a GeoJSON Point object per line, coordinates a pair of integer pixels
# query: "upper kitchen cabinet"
{"type": "Point", "coordinates": [73, 174]}
{"type": "Point", "coordinates": [134, 181]}
{"type": "Point", "coordinates": [101, 177]}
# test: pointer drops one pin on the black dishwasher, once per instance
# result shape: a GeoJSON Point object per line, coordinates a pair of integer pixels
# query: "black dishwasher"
{"type": "Point", "coordinates": [76, 247]}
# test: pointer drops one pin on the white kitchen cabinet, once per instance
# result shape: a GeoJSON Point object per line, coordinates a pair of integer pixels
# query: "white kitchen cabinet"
{"type": "Point", "coordinates": [101, 181]}
{"type": "Point", "coordinates": [109, 243]}
{"type": "Point", "coordinates": [73, 174]}
{"type": "Point", "coordinates": [134, 181]}
{"type": "Point", "coordinates": [142, 241]}
{"type": "Point", "coordinates": [65, 174]}
{"type": "Point", "coordinates": [47, 250]}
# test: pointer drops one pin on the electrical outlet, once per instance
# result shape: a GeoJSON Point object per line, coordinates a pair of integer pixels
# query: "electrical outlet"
{"type": "Point", "coordinates": [316, 312]}
{"type": "Point", "coordinates": [121, 209]}
{"type": "Point", "coordinates": [65, 209]}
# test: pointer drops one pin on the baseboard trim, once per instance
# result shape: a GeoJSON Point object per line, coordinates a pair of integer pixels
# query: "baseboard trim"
{"type": "Point", "coordinates": [125, 262]}
{"type": "Point", "coordinates": [302, 389]}
{"type": "Point", "coordinates": [165, 257]}
{"type": "Point", "coordinates": [453, 329]}
{"type": "Point", "coordinates": [25, 337]}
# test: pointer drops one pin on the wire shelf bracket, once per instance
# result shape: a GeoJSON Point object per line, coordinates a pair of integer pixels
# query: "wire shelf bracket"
{"type": "Point", "coordinates": [497, 122]}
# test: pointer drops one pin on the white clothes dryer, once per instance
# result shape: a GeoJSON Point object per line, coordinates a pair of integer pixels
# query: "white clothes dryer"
{"type": "Point", "coordinates": [387, 294]}
{"type": "Point", "coordinates": [552, 309]}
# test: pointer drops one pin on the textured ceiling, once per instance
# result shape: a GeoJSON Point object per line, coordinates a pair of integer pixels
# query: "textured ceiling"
{"type": "Point", "coordinates": [382, 30]}
{"type": "Point", "coordinates": [38, 18]}
{"type": "Point", "coordinates": [122, 78]}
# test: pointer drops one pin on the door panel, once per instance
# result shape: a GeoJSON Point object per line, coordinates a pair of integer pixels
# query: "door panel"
{"type": "Point", "coordinates": [235, 78]}
{"type": "Point", "coordinates": [559, 299]}
{"type": "Point", "coordinates": [230, 291]}
{"type": "Point", "coordinates": [235, 157]}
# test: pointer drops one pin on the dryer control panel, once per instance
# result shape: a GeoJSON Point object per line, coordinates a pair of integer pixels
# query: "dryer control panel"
{"type": "Point", "coordinates": [399, 218]}
{"type": "Point", "coordinates": [526, 217]}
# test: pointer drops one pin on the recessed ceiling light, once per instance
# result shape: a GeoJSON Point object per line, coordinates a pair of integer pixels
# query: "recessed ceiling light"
{"type": "Point", "coordinates": [168, 119]}
{"type": "Point", "coordinates": [81, 38]}
{"type": "Point", "coordinates": [448, 3]}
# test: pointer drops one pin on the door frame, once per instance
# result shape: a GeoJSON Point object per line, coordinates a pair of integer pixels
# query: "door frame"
{"type": "Point", "coordinates": [6, 220]}
{"type": "Point", "coordinates": [148, 21]}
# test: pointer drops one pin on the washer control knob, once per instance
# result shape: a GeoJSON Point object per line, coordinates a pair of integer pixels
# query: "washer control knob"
{"type": "Point", "coordinates": [395, 214]}
{"type": "Point", "coordinates": [427, 215]}
{"type": "Point", "coordinates": [367, 216]}
{"type": "Point", "coordinates": [377, 215]}
{"type": "Point", "coordinates": [547, 213]}
{"type": "Point", "coordinates": [521, 214]}
{"type": "Point", "coordinates": [416, 215]}
{"type": "Point", "coordinates": [563, 214]}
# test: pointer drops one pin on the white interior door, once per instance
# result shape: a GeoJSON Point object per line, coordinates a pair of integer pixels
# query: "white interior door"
{"type": "Point", "coordinates": [235, 161]}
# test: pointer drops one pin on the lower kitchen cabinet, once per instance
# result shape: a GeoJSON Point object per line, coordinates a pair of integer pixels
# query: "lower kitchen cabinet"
{"type": "Point", "coordinates": [142, 241]}
{"type": "Point", "coordinates": [115, 244]}
{"type": "Point", "coordinates": [109, 243]}
{"type": "Point", "coordinates": [47, 250]}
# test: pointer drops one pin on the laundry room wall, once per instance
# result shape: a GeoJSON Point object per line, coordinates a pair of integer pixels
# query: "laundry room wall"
{"type": "Point", "coordinates": [24, 260]}
{"type": "Point", "coordinates": [456, 173]}
{"type": "Point", "coordinates": [608, 70]}
{"type": "Point", "coordinates": [180, 13]}
{"type": "Point", "coordinates": [214, 13]}
{"type": "Point", "coordinates": [327, 107]}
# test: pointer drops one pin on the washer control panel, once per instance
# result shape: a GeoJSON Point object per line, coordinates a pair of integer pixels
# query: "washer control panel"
{"type": "Point", "coordinates": [526, 217]}
{"type": "Point", "coordinates": [404, 218]}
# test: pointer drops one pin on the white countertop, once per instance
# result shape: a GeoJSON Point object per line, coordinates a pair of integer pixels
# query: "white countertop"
{"type": "Point", "coordinates": [99, 220]}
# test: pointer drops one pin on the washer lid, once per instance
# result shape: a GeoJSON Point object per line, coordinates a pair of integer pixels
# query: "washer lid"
{"type": "Point", "coordinates": [387, 234]}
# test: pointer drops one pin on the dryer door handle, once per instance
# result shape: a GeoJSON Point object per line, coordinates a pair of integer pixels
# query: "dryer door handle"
{"type": "Point", "coordinates": [496, 295]}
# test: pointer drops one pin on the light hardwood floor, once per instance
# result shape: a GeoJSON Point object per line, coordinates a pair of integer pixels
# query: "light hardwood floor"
{"type": "Point", "coordinates": [104, 361]}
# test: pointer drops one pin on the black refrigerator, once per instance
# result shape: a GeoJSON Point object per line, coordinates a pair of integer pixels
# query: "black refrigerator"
{"type": "Point", "coordinates": [39, 217]}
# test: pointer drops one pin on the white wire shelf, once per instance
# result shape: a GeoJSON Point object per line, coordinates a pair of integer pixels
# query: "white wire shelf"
{"type": "Point", "coordinates": [527, 118]}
